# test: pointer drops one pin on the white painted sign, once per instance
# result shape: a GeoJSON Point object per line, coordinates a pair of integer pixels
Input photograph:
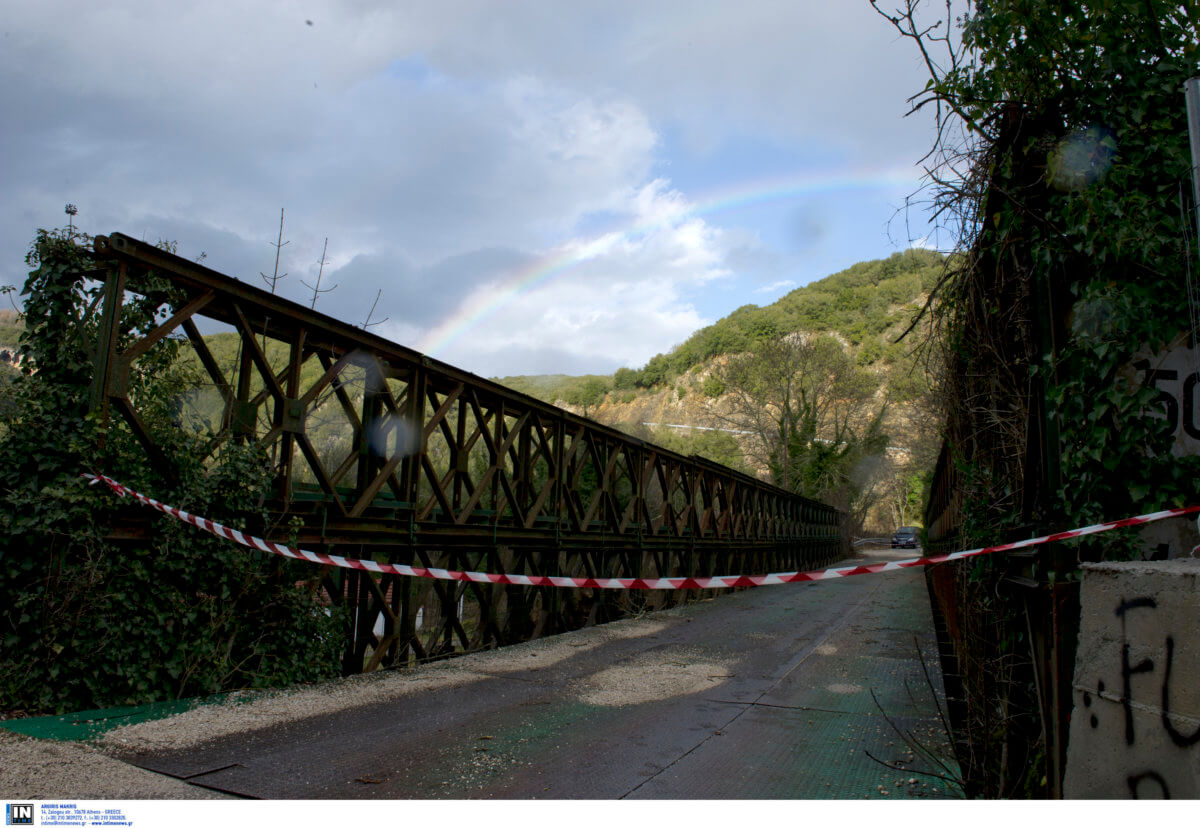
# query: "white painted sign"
{"type": "Point", "coordinates": [1175, 373]}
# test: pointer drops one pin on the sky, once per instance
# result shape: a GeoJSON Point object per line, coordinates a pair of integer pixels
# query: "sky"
{"type": "Point", "coordinates": [562, 186]}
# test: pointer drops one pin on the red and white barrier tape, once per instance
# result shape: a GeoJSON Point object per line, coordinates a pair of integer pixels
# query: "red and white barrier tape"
{"type": "Point", "coordinates": [719, 582]}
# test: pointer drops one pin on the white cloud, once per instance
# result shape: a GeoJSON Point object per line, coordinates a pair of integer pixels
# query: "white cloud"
{"type": "Point", "coordinates": [606, 302]}
{"type": "Point", "coordinates": [932, 241]}
{"type": "Point", "coordinates": [776, 286]}
{"type": "Point", "coordinates": [794, 70]}
{"type": "Point", "coordinates": [443, 148]}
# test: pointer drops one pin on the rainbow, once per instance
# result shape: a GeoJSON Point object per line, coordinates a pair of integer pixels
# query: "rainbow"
{"type": "Point", "coordinates": [562, 259]}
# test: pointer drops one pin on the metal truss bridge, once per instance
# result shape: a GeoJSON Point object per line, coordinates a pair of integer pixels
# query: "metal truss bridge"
{"type": "Point", "coordinates": [381, 452]}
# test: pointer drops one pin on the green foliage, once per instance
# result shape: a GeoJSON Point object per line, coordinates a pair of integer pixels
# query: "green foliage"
{"type": "Point", "coordinates": [625, 379]}
{"type": "Point", "coordinates": [554, 388]}
{"type": "Point", "coordinates": [713, 386]}
{"type": "Point", "coordinates": [913, 495]}
{"type": "Point", "coordinates": [11, 327]}
{"type": "Point", "coordinates": [856, 303]}
{"type": "Point", "coordinates": [911, 385]}
{"type": "Point", "coordinates": [1077, 155]}
{"type": "Point", "coordinates": [863, 303]}
{"type": "Point", "coordinates": [1091, 201]}
{"type": "Point", "coordinates": [588, 393]}
{"type": "Point", "coordinates": [91, 623]}
{"type": "Point", "coordinates": [718, 446]}
{"type": "Point", "coordinates": [811, 415]}
{"type": "Point", "coordinates": [870, 352]}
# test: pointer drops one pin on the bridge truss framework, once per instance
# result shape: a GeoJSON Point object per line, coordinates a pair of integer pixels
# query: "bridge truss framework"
{"type": "Point", "coordinates": [381, 452]}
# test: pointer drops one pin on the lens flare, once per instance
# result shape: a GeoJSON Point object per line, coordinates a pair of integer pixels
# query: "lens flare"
{"type": "Point", "coordinates": [1081, 159]}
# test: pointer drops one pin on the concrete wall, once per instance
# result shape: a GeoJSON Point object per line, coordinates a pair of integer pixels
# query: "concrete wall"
{"type": "Point", "coordinates": [1135, 729]}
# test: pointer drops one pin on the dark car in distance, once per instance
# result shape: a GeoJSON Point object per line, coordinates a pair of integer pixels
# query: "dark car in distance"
{"type": "Point", "coordinates": [905, 537]}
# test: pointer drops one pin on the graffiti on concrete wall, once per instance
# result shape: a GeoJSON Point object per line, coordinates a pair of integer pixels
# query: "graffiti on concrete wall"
{"type": "Point", "coordinates": [1146, 686]}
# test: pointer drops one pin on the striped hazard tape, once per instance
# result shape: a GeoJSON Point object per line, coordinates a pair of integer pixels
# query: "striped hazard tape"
{"type": "Point", "coordinates": [718, 582]}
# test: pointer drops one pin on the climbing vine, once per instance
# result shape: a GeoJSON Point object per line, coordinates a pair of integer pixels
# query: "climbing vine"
{"type": "Point", "coordinates": [1063, 164]}
{"type": "Point", "coordinates": [1062, 167]}
{"type": "Point", "coordinates": [89, 622]}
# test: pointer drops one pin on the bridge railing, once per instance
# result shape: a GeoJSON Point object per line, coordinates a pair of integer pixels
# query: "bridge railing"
{"type": "Point", "coordinates": [381, 452]}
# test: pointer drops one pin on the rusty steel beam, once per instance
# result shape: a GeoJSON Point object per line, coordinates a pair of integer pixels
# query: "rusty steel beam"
{"type": "Point", "coordinates": [381, 451]}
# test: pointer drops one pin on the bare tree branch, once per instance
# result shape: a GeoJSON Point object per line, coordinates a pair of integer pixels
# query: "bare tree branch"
{"type": "Point", "coordinates": [317, 289]}
{"type": "Point", "coordinates": [273, 279]}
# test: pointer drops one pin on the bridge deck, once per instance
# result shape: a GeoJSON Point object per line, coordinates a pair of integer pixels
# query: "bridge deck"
{"type": "Point", "coordinates": [762, 694]}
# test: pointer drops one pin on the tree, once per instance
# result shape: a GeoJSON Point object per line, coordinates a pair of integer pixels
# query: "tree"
{"type": "Point", "coordinates": [812, 414]}
{"type": "Point", "coordinates": [625, 379]}
{"type": "Point", "coordinates": [588, 393]}
{"type": "Point", "coordinates": [86, 622]}
{"type": "Point", "coordinates": [718, 446]}
{"type": "Point", "coordinates": [712, 387]}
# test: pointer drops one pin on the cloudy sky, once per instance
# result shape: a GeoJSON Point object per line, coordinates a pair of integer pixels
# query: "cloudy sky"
{"type": "Point", "coordinates": [560, 186]}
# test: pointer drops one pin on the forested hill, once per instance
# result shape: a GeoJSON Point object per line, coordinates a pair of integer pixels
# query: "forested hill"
{"type": "Point", "coordinates": [11, 326]}
{"type": "Point", "coordinates": [860, 304]}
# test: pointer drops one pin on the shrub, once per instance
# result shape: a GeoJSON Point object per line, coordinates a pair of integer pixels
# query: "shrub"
{"type": "Point", "coordinates": [90, 623]}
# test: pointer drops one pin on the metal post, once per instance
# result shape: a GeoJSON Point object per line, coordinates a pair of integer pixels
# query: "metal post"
{"type": "Point", "coordinates": [1192, 93]}
{"type": "Point", "coordinates": [106, 343]}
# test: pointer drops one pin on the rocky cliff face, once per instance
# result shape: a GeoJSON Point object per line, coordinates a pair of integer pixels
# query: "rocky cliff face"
{"type": "Point", "coordinates": [671, 415]}
{"type": "Point", "coordinates": [682, 403]}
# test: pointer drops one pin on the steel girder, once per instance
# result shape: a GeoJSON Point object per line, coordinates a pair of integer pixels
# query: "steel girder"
{"type": "Point", "coordinates": [382, 452]}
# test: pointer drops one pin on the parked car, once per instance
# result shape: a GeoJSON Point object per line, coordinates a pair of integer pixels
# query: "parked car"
{"type": "Point", "coordinates": [905, 537]}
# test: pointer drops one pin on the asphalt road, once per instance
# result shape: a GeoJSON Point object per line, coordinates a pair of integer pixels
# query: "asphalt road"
{"type": "Point", "coordinates": [797, 691]}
